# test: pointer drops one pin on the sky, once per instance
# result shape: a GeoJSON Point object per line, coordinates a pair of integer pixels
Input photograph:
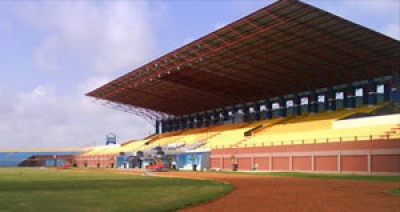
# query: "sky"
{"type": "Point", "coordinates": [53, 52]}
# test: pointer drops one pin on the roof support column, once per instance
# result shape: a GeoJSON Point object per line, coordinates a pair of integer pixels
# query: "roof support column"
{"type": "Point", "coordinates": [331, 103]}
{"type": "Point", "coordinates": [163, 126]}
{"type": "Point", "coordinates": [387, 90]}
{"type": "Point", "coordinates": [372, 95]}
{"type": "Point", "coordinates": [268, 111]}
{"type": "Point", "coordinates": [395, 90]}
{"type": "Point", "coordinates": [349, 97]}
{"type": "Point", "coordinates": [157, 126]}
{"type": "Point", "coordinates": [296, 108]}
{"type": "Point", "coordinates": [233, 116]}
{"type": "Point", "coordinates": [282, 107]}
{"type": "Point", "coordinates": [225, 116]}
{"type": "Point", "coordinates": [246, 113]}
{"type": "Point", "coordinates": [191, 123]}
{"type": "Point", "coordinates": [256, 114]}
{"type": "Point", "coordinates": [313, 102]}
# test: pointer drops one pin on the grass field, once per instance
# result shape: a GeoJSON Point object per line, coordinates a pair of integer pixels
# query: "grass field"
{"type": "Point", "coordinates": [337, 176]}
{"type": "Point", "coordinates": [25, 190]}
{"type": "Point", "coordinates": [325, 176]}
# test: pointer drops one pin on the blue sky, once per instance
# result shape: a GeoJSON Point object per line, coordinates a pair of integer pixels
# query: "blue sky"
{"type": "Point", "coordinates": [53, 52]}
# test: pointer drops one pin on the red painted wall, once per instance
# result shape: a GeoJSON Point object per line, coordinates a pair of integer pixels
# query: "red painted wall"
{"type": "Point", "coordinates": [386, 163]}
{"type": "Point", "coordinates": [262, 162]}
{"type": "Point", "coordinates": [244, 163]}
{"type": "Point", "coordinates": [354, 163]}
{"type": "Point", "coordinates": [302, 163]}
{"type": "Point", "coordinates": [280, 163]}
{"type": "Point", "coordinates": [326, 163]}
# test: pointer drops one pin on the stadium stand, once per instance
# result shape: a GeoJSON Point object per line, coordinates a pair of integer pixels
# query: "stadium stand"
{"type": "Point", "coordinates": [18, 157]}
{"type": "Point", "coordinates": [287, 88]}
{"type": "Point", "coordinates": [265, 90]}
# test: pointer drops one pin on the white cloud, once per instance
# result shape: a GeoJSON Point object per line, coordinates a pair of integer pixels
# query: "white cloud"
{"type": "Point", "coordinates": [4, 25]}
{"type": "Point", "coordinates": [104, 37]}
{"type": "Point", "coordinates": [45, 57]}
{"type": "Point", "coordinates": [88, 43]}
{"type": "Point", "coordinates": [93, 41]}
{"type": "Point", "coordinates": [382, 16]}
{"type": "Point", "coordinates": [392, 30]}
{"type": "Point", "coordinates": [42, 118]}
{"type": "Point", "coordinates": [187, 41]}
{"type": "Point", "coordinates": [219, 25]}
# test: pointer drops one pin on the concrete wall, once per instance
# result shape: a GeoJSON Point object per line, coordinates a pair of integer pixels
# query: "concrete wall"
{"type": "Point", "coordinates": [367, 121]}
{"type": "Point", "coordinates": [367, 157]}
{"type": "Point", "coordinates": [103, 161]}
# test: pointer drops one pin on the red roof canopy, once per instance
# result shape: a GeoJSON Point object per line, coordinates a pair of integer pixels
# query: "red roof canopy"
{"type": "Point", "coordinates": [286, 47]}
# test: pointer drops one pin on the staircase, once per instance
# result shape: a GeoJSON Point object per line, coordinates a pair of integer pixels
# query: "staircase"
{"type": "Point", "coordinates": [392, 132]}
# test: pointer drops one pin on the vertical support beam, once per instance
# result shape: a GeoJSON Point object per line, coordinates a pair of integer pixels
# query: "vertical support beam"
{"type": "Point", "coordinates": [252, 162]}
{"type": "Point", "coordinates": [372, 96]}
{"type": "Point", "coordinates": [256, 114]}
{"type": "Point", "coordinates": [339, 162]}
{"type": "Point", "coordinates": [369, 162]}
{"type": "Point", "coordinates": [184, 123]}
{"type": "Point", "coordinates": [282, 107]}
{"type": "Point", "coordinates": [246, 113]}
{"type": "Point", "coordinates": [221, 162]}
{"type": "Point", "coordinates": [365, 94]}
{"type": "Point", "coordinates": [296, 105]}
{"type": "Point", "coordinates": [330, 102]}
{"type": "Point", "coordinates": [270, 162]}
{"type": "Point", "coordinates": [157, 126]}
{"type": "Point", "coordinates": [225, 114]}
{"type": "Point", "coordinates": [190, 122]}
{"type": "Point", "coordinates": [395, 84]}
{"type": "Point", "coordinates": [268, 112]}
{"type": "Point", "coordinates": [313, 162]}
{"type": "Point", "coordinates": [233, 110]}
{"type": "Point", "coordinates": [200, 120]}
{"type": "Point", "coordinates": [313, 102]}
{"type": "Point", "coordinates": [163, 126]}
{"type": "Point", "coordinates": [387, 91]}
{"type": "Point", "coordinates": [349, 97]}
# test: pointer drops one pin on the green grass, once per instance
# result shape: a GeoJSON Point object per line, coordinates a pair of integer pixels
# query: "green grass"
{"type": "Point", "coordinates": [64, 190]}
{"type": "Point", "coordinates": [337, 176]}
{"type": "Point", "coordinates": [395, 191]}
{"type": "Point", "coordinates": [325, 176]}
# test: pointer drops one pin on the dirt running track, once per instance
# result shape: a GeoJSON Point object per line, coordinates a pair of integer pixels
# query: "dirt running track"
{"type": "Point", "coordinates": [283, 194]}
{"type": "Point", "coordinates": [265, 193]}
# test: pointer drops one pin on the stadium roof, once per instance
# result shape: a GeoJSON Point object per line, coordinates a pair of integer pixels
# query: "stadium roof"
{"type": "Point", "coordinates": [286, 47]}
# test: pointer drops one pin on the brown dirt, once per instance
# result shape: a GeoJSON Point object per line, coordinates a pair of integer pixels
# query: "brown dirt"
{"type": "Point", "coordinates": [267, 193]}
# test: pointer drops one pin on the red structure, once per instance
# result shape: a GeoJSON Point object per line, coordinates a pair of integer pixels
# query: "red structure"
{"type": "Point", "coordinates": [287, 47]}
{"type": "Point", "coordinates": [372, 157]}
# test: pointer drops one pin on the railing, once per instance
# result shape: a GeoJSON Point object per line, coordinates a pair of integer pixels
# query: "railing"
{"type": "Point", "coordinates": [312, 141]}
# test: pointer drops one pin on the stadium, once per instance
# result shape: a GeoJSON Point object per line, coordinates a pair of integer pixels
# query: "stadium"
{"type": "Point", "coordinates": [288, 88]}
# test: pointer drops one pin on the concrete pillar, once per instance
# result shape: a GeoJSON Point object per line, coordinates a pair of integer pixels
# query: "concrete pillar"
{"type": "Point", "coordinates": [313, 162]}
{"type": "Point", "coordinates": [313, 102]}
{"type": "Point", "coordinates": [268, 112]}
{"type": "Point", "coordinates": [372, 100]}
{"type": "Point", "coordinates": [282, 107]}
{"type": "Point", "coordinates": [349, 97]}
{"type": "Point", "coordinates": [330, 102]}
{"type": "Point", "coordinates": [157, 126]}
{"type": "Point", "coordinates": [270, 162]}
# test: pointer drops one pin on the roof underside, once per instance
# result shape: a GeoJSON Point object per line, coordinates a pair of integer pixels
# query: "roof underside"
{"type": "Point", "coordinates": [285, 48]}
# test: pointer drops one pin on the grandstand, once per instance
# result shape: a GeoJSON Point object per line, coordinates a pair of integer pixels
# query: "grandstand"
{"type": "Point", "coordinates": [39, 157]}
{"type": "Point", "coordinates": [287, 88]}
